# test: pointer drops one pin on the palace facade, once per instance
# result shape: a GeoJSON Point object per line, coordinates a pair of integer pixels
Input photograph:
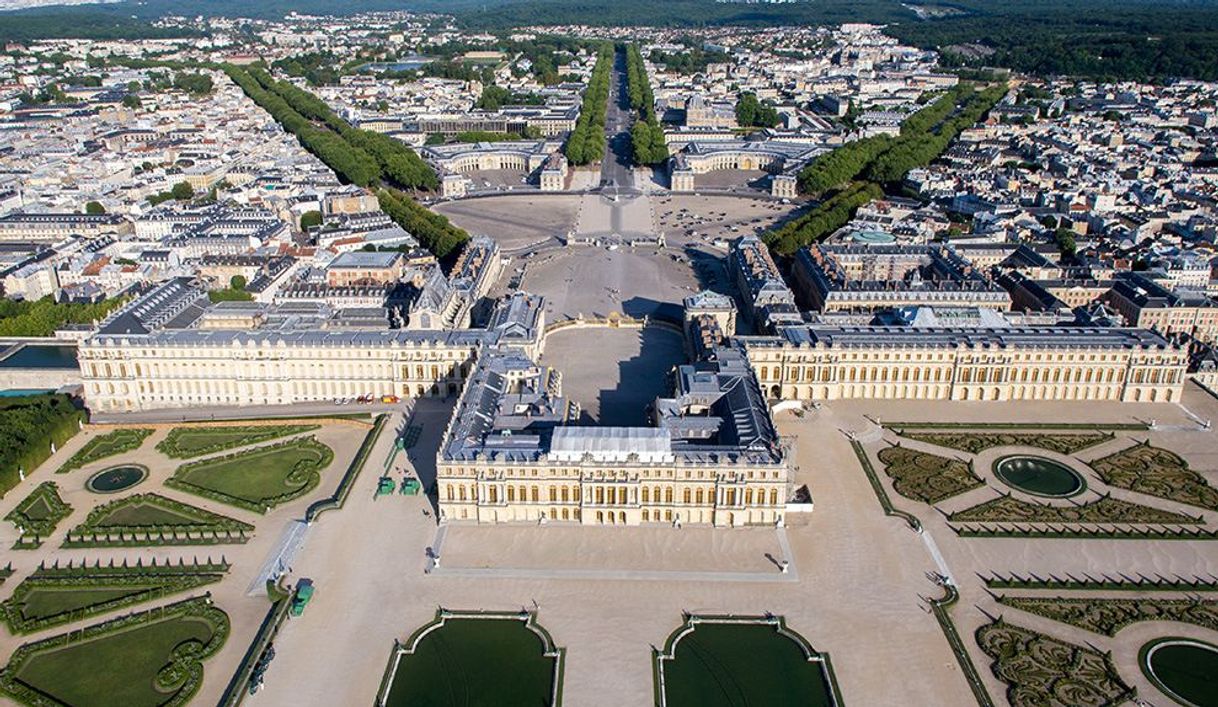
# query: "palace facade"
{"type": "Point", "coordinates": [968, 363]}
{"type": "Point", "coordinates": [512, 453]}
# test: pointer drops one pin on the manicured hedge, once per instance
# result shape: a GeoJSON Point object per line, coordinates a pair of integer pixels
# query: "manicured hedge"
{"type": "Point", "coordinates": [28, 427]}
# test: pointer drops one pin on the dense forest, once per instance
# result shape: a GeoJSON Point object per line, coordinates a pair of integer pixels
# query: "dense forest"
{"type": "Point", "coordinates": [1135, 39]}
{"type": "Point", "coordinates": [42, 317]}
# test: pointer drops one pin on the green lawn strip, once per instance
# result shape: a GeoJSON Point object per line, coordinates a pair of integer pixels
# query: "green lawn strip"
{"type": "Point", "coordinates": [928, 478]}
{"type": "Point", "coordinates": [257, 479]}
{"type": "Point", "coordinates": [1104, 510]}
{"type": "Point", "coordinates": [153, 658]}
{"type": "Point", "coordinates": [1107, 616]}
{"type": "Point", "coordinates": [190, 442]}
{"type": "Point", "coordinates": [941, 608]}
{"type": "Point", "coordinates": [1074, 532]}
{"type": "Point", "coordinates": [1035, 666]}
{"type": "Point", "coordinates": [1156, 472]}
{"type": "Point", "coordinates": [6, 572]}
{"type": "Point", "coordinates": [37, 515]}
{"type": "Point", "coordinates": [51, 597]}
{"type": "Point", "coordinates": [107, 445]}
{"type": "Point", "coordinates": [152, 519]}
{"type": "Point", "coordinates": [974, 442]}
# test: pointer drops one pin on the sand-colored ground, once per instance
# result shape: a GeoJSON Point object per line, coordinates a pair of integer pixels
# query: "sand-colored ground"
{"type": "Point", "coordinates": [857, 586]}
{"type": "Point", "coordinates": [515, 221]}
{"type": "Point", "coordinates": [245, 612]}
{"type": "Point", "coordinates": [630, 369]}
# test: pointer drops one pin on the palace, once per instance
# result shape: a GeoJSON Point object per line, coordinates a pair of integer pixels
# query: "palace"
{"type": "Point", "coordinates": [968, 363]}
{"type": "Point", "coordinates": [155, 353]}
{"type": "Point", "coordinates": [511, 452]}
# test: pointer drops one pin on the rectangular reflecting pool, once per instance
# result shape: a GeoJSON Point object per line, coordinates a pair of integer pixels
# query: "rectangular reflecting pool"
{"type": "Point", "coordinates": [40, 356]}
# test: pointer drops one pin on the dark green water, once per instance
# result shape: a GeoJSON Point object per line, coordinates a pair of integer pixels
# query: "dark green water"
{"type": "Point", "coordinates": [1189, 671]}
{"type": "Point", "coordinates": [116, 479]}
{"type": "Point", "coordinates": [730, 665]}
{"type": "Point", "coordinates": [41, 356]}
{"type": "Point", "coordinates": [470, 662]}
{"type": "Point", "coordinates": [1039, 476]}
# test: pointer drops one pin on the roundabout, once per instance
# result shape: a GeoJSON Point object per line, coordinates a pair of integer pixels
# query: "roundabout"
{"type": "Point", "coordinates": [1183, 669]}
{"type": "Point", "coordinates": [116, 478]}
{"type": "Point", "coordinates": [1039, 476]}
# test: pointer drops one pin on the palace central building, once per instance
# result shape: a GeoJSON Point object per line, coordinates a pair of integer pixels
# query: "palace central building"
{"type": "Point", "coordinates": [512, 452]}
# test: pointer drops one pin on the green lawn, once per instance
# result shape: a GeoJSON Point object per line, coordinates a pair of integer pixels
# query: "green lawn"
{"type": "Point", "coordinates": [44, 602]}
{"type": "Point", "coordinates": [145, 516]}
{"type": "Point", "coordinates": [38, 514]}
{"type": "Point", "coordinates": [118, 666]}
{"type": "Point", "coordinates": [725, 665]}
{"type": "Point", "coordinates": [470, 662]}
{"type": "Point", "coordinates": [257, 478]}
{"type": "Point", "coordinates": [107, 445]}
{"type": "Point", "coordinates": [189, 442]}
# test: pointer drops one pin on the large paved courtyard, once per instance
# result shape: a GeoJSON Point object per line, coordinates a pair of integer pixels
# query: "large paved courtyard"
{"type": "Point", "coordinates": [629, 369]}
{"type": "Point", "coordinates": [857, 587]}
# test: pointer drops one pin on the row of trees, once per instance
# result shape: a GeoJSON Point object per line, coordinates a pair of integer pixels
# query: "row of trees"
{"type": "Point", "coordinates": [586, 143]}
{"type": "Point", "coordinates": [822, 221]}
{"type": "Point", "coordinates": [646, 136]}
{"type": "Point", "coordinates": [879, 160]}
{"type": "Point", "coordinates": [360, 156]}
{"type": "Point", "coordinates": [924, 136]}
{"type": "Point", "coordinates": [434, 231]}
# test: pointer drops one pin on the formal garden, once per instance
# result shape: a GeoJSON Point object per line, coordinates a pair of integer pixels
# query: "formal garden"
{"type": "Point", "coordinates": [106, 445]}
{"type": "Point", "coordinates": [1108, 615]}
{"type": "Point", "coordinates": [1041, 670]}
{"type": "Point", "coordinates": [725, 661]}
{"type": "Point", "coordinates": [152, 519]}
{"type": "Point", "coordinates": [928, 478]}
{"type": "Point", "coordinates": [257, 479]}
{"type": "Point", "coordinates": [975, 442]}
{"type": "Point", "coordinates": [191, 442]}
{"type": "Point", "coordinates": [475, 659]}
{"type": "Point", "coordinates": [148, 659]}
{"type": "Point", "coordinates": [1105, 509]}
{"type": "Point", "coordinates": [53, 596]}
{"type": "Point", "coordinates": [1156, 472]}
{"type": "Point", "coordinates": [37, 515]}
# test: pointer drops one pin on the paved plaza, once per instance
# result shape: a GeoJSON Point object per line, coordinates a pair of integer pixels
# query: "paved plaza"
{"type": "Point", "coordinates": [629, 369]}
{"type": "Point", "coordinates": [858, 591]}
